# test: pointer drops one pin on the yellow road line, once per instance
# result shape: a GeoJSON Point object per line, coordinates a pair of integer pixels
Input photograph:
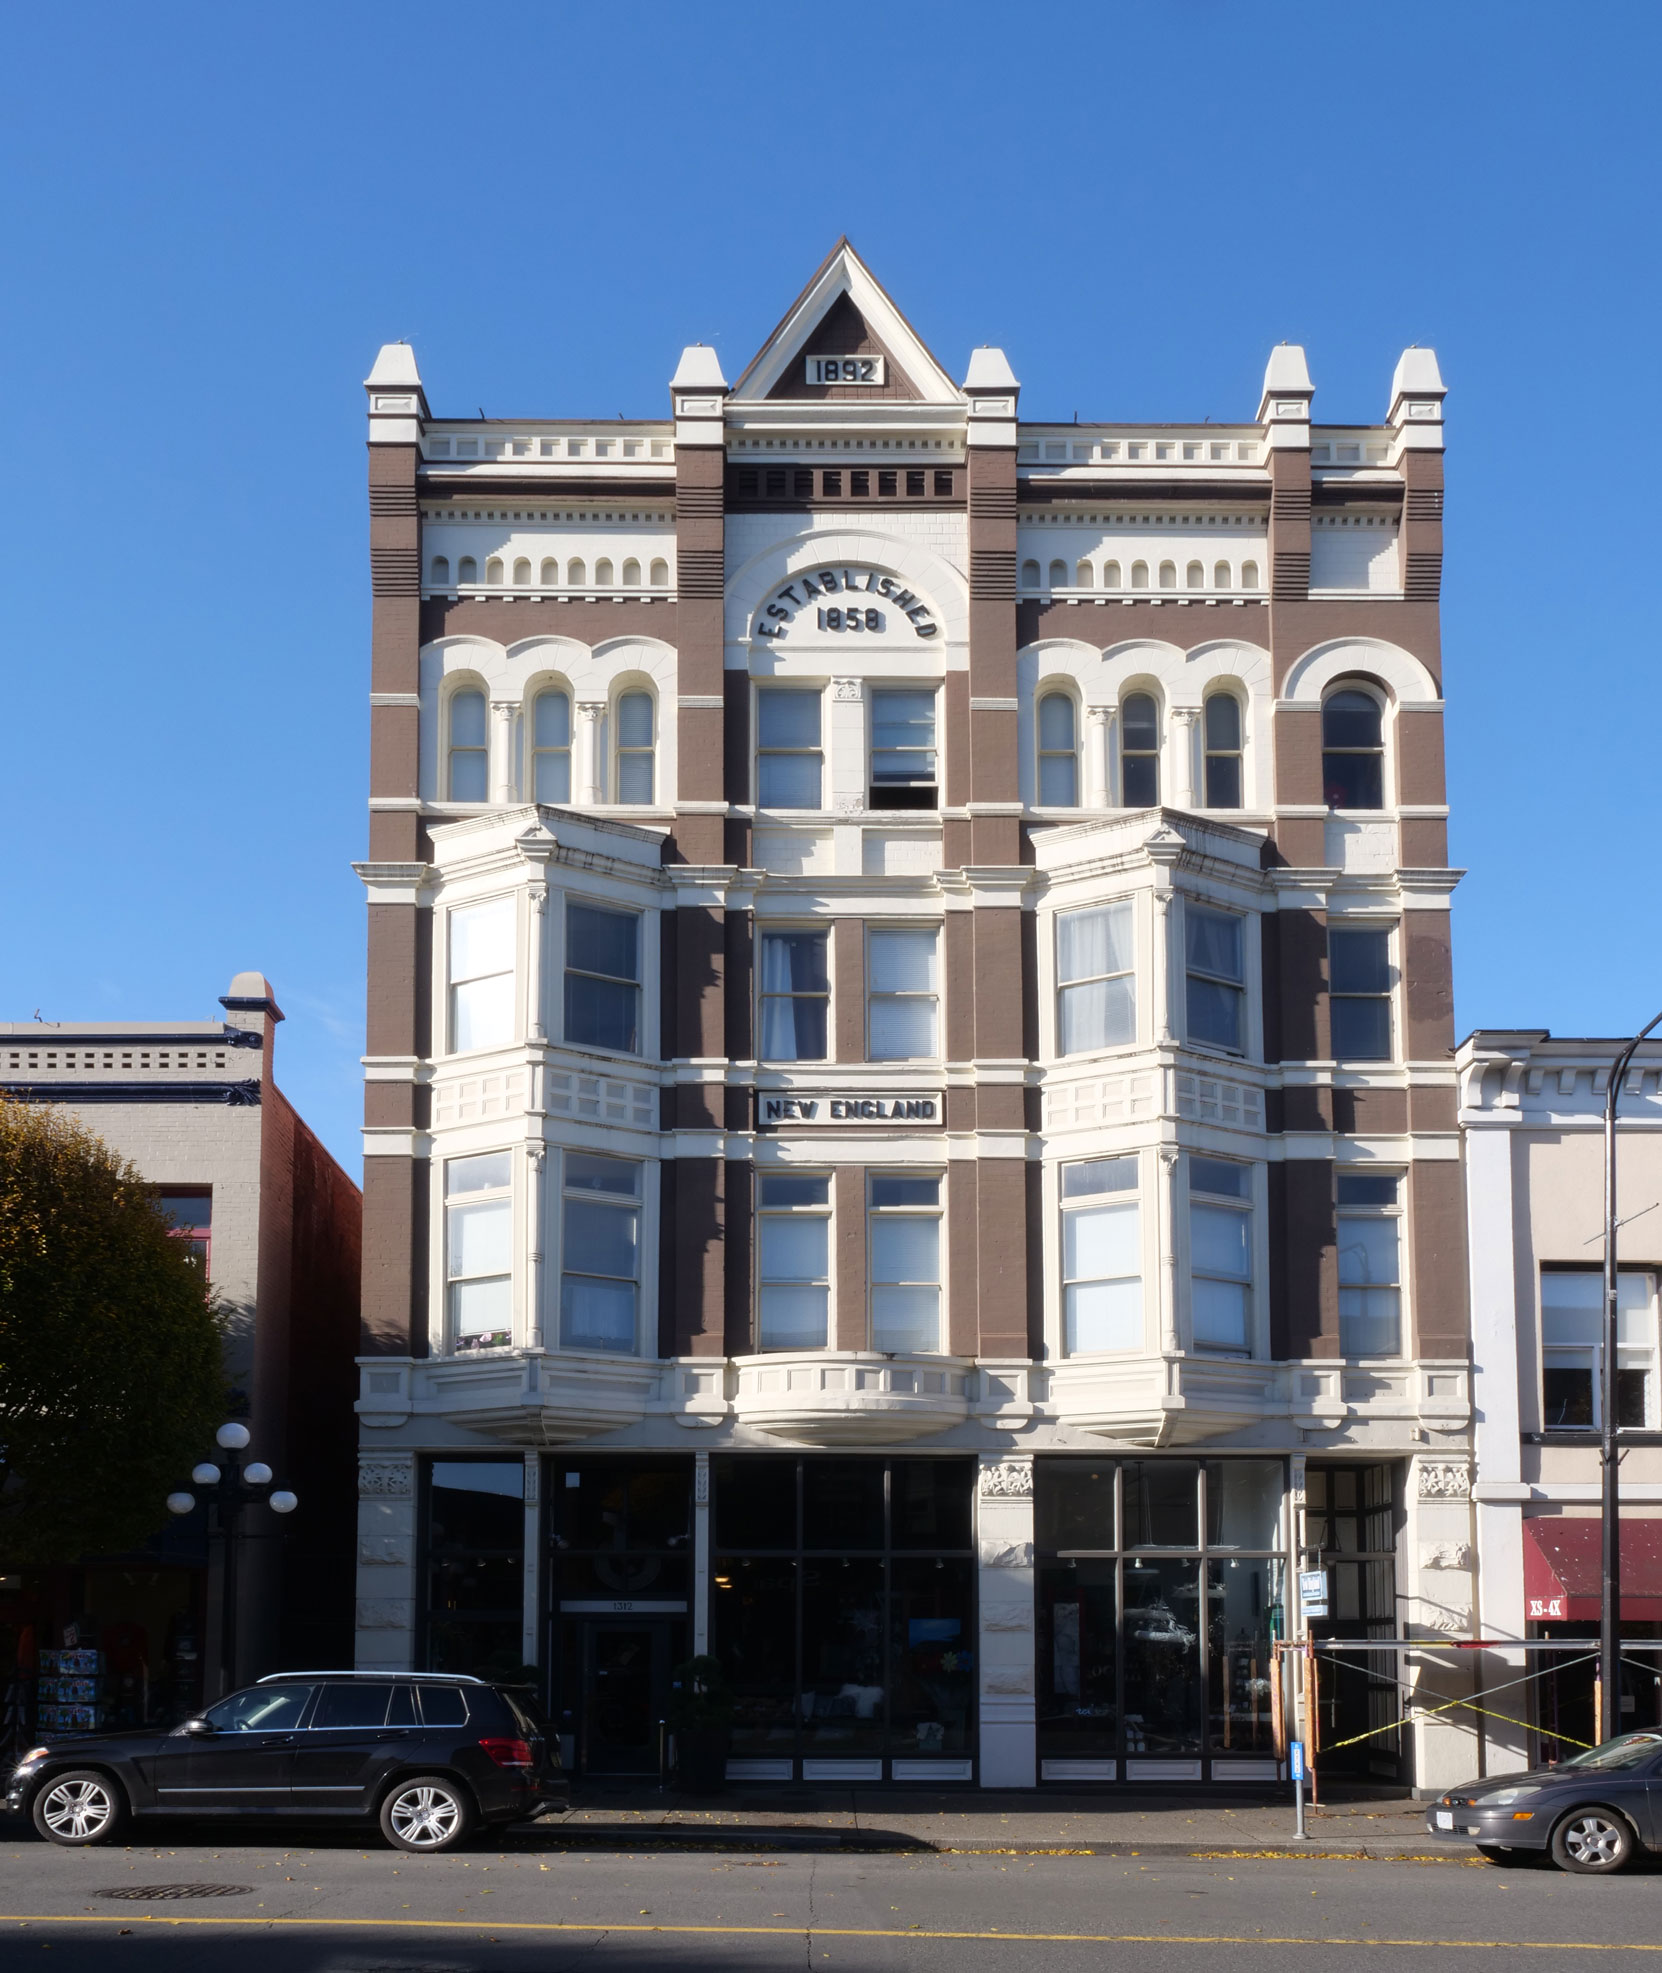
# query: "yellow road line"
{"type": "Point", "coordinates": [496, 1926]}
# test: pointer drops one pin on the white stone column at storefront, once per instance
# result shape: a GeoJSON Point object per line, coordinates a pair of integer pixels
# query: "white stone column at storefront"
{"type": "Point", "coordinates": [1004, 1550]}
{"type": "Point", "coordinates": [536, 1214]}
{"type": "Point", "coordinates": [590, 714]}
{"type": "Point", "coordinates": [701, 1554]}
{"type": "Point", "coordinates": [386, 1581]}
{"type": "Point", "coordinates": [1440, 1601]}
{"type": "Point", "coordinates": [531, 1642]}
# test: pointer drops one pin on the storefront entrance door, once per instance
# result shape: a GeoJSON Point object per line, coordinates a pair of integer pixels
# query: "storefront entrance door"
{"type": "Point", "coordinates": [625, 1689]}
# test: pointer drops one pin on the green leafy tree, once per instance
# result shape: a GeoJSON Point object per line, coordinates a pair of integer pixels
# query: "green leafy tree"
{"type": "Point", "coordinates": [111, 1370]}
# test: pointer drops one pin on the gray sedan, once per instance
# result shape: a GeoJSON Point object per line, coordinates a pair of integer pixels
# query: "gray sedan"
{"type": "Point", "coordinates": [1593, 1813]}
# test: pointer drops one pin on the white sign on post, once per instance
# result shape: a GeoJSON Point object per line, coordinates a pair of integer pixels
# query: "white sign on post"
{"type": "Point", "coordinates": [1312, 1585]}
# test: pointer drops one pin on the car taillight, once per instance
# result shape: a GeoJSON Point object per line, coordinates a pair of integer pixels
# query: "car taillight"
{"type": "Point", "coordinates": [508, 1753]}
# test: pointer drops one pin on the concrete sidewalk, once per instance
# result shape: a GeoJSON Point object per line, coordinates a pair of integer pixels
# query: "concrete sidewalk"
{"type": "Point", "coordinates": [1130, 1822]}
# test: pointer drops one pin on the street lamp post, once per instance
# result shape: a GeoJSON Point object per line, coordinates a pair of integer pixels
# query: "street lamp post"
{"type": "Point", "coordinates": [233, 1487]}
{"type": "Point", "coordinates": [1610, 1589]}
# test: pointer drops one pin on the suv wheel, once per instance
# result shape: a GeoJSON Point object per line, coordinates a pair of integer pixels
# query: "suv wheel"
{"type": "Point", "coordinates": [79, 1808]}
{"type": "Point", "coordinates": [1594, 1840]}
{"type": "Point", "coordinates": [426, 1814]}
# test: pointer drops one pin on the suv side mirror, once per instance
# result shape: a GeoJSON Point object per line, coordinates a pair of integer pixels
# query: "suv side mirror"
{"type": "Point", "coordinates": [198, 1727]}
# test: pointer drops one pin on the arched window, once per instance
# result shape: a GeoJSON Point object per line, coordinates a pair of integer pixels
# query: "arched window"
{"type": "Point", "coordinates": [634, 747]}
{"type": "Point", "coordinates": [1058, 575]}
{"type": "Point", "coordinates": [1139, 575]}
{"type": "Point", "coordinates": [603, 573]}
{"type": "Point", "coordinates": [576, 574]}
{"type": "Point", "coordinates": [439, 575]}
{"type": "Point", "coordinates": [1140, 751]}
{"type": "Point", "coordinates": [1249, 575]}
{"type": "Point", "coordinates": [551, 747]}
{"type": "Point", "coordinates": [1220, 576]}
{"type": "Point", "coordinates": [1029, 575]}
{"type": "Point", "coordinates": [467, 569]}
{"type": "Point", "coordinates": [631, 574]}
{"type": "Point", "coordinates": [1223, 751]}
{"type": "Point", "coordinates": [1353, 751]}
{"type": "Point", "coordinates": [1058, 752]}
{"type": "Point", "coordinates": [1194, 576]}
{"type": "Point", "coordinates": [1110, 575]}
{"type": "Point", "coordinates": [469, 778]}
{"type": "Point", "coordinates": [659, 573]}
{"type": "Point", "coordinates": [1168, 575]}
{"type": "Point", "coordinates": [1082, 576]}
{"type": "Point", "coordinates": [550, 572]}
{"type": "Point", "coordinates": [493, 569]}
{"type": "Point", "coordinates": [522, 574]}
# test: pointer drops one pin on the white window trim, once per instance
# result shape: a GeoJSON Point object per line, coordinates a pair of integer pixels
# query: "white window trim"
{"type": "Point", "coordinates": [827, 1212]}
{"type": "Point", "coordinates": [766, 928]}
{"type": "Point", "coordinates": [881, 1168]}
{"type": "Point", "coordinates": [554, 989]}
{"type": "Point", "coordinates": [440, 1341]}
{"type": "Point", "coordinates": [814, 688]}
{"type": "Point", "coordinates": [1148, 1251]}
{"type": "Point", "coordinates": [1145, 988]}
{"type": "Point", "coordinates": [1053, 686]}
{"type": "Point", "coordinates": [1628, 1356]}
{"type": "Point", "coordinates": [1254, 1203]}
{"type": "Point", "coordinates": [1390, 923]}
{"type": "Point", "coordinates": [881, 924]}
{"type": "Point", "coordinates": [1251, 1048]}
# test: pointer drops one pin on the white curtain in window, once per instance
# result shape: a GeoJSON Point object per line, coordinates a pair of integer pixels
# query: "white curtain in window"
{"type": "Point", "coordinates": [1095, 1012]}
{"type": "Point", "coordinates": [482, 975]}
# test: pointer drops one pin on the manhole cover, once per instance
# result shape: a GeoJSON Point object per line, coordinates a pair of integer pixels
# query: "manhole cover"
{"type": "Point", "coordinates": [144, 1893]}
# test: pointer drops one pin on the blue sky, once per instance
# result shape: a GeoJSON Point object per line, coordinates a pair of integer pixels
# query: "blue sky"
{"type": "Point", "coordinates": [213, 216]}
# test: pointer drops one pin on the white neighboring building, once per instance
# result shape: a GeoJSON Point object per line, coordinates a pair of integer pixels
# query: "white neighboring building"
{"type": "Point", "coordinates": [1532, 1110]}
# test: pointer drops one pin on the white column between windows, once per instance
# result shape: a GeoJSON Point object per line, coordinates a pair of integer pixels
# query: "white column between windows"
{"type": "Point", "coordinates": [536, 1223]}
{"type": "Point", "coordinates": [590, 714]}
{"type": "Point", "coordinates": [1166, 1207]}
{"type": "Point", "coordinates": [536, 1027]}
{"type": "Point", "coordinates": [502, 776]}
{"type": "Point", "coordinates": [1185, 721]}
{"type": "Point", "coordinates": [1099, 739]}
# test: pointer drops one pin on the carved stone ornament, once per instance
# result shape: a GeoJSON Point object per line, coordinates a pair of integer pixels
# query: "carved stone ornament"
{"type": "Point", "coordinates": [1009, 1482]}
{"type": "Point", "coordinates": [1440, 1482]}
{"type": "Point", "coordinates": [848, 689]}
{"type": "Point", "coordinates": [385, 1482]}
{"type": "Point", "coordinates": [1445, 1555]}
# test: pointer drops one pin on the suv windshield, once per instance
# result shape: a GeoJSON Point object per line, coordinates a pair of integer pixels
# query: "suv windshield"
{"type": "Point", "coordinates": [262, 1709]}
{"type": "Point", "coordinates": [1629, 1750]}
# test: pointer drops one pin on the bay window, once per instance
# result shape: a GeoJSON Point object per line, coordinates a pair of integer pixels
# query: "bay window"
{"type": "Point", "coordinates": [481, 975]}
{"type": "Point", "coordinates": [600, 1253]}
{"type": "Point", "coordinates": [1096, 989]}
{"type": "Point", "coordinates": [1216, 977]}
{"type": "Point", "coordinates": [603, 971]}
{"type": "Point", "coordinates": [1102, 1285]}
{"type": "Point", "coordinates": [1220, 1251]}
{"type": "Point", "coordinates": [478, 1248]}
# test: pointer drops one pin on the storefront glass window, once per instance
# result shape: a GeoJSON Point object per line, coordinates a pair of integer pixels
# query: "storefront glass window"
{"type": "Point", "coordinates": [475, 1547]}
{"type": "Point", "coordinates": [854, 1640]}
{"type": "Point", "coordinates": [1151, 1658]}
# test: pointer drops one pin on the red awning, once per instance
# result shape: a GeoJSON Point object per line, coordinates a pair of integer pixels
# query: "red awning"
{"type": "Point", "coordinates": [1564, 1569]}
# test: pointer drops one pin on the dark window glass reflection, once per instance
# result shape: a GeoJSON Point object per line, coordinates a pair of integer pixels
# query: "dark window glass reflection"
{"type": "Point", "coordinates": [842, 1657]}
{"type": "Point", "coordinates": [929, 1503]}
{"type": "Point", "coordinates": [753, 1618]}
{"type": "Point", "coordinates": [1162, 1507]}
{"type": "Point", "coordinates": [1162, 1657]}
{"type": "Point", "coordinates": [755, 1502]}
{"type": "Point", "coordinates": [931, 1657]}
{"type": "Point", "coordinates": [842, 1503]}
{"type": "Point", "coordinates": [1074, 1506]}
{"type": "Point", "coordinates": [475, 1566]}
{"type": "Point", "coordinates": [1246, 1612]}
{"type": "Point", "coordinates": [1078, 1632]}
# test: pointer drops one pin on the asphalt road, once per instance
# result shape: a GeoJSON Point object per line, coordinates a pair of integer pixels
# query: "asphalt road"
{"type": "Point", "coordinates": [339, 1907]}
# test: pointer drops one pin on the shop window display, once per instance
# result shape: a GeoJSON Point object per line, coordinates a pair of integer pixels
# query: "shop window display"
{"type": "Point", "coordinates": [1147, 1656]}
{"type": "Point", "coordinates": [854, 1639]}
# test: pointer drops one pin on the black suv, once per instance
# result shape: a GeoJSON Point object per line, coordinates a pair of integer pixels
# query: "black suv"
{"type": "Point", "coordinates": [428, 1755]}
